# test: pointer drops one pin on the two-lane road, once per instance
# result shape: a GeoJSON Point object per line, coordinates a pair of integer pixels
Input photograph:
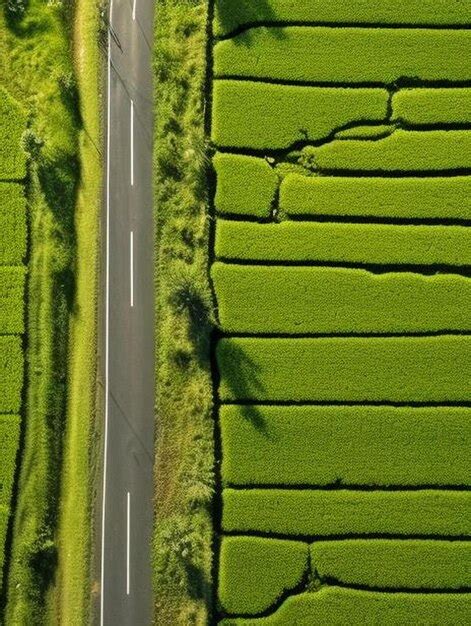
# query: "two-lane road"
{"type": "Point", "coordinates": [128, 325]}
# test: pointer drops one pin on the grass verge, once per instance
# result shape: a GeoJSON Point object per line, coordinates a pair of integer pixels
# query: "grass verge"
{"type": "Point", "coordinates": [182, 552]}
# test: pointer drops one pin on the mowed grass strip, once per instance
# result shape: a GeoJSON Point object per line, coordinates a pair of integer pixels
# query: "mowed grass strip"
{"type": "Point", "coordinates": [338, 606]}
{"type": "Point", "coordinates": [12, 287]}
{"type": "Point", "coordinates": [11, 373]}
{"type": "Point", "coordinates": [343, 243]}
{"type": "Point", "coordinates": [310, 300]}
{"type": "Point", "coordinates": [335, 369]}
{"type": "Point", "coordinates": [230, 15]}
{"type": "Point", "coordinates": [345, 55]}
{"type": "Point", "coordinates": [254, 572]}
{"type": "Point", "coordinates": [12, 126]}
{"type": "Point", "coordinates": [345, 445]}
{"type": "Point", "coordinates": [410, 197]}
{"type": "Point", "coordinates": [432, 106]}
{"type": "Point", "coordinates": [394, 563]}
{"type": "Point", "coordinates": [12, 223]}
{"type": "Point", "coordinates": [333, 512]}
{"type": "Point", "coordinates": [405, 151]}
{"type": "Point", "coordinates": [264, 116]}
{"type": "Point", "coordinates": [245, 185]}
{"type": "Point", "coordinates": [9, 440]}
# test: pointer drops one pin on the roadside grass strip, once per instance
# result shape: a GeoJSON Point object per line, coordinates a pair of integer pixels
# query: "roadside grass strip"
{"type": "Point", "coordinates": [12, 288]}
{"type": "Point", "coordinates": [11, 373]}
{"type": "Point", "coordinates": [12, 223]}
{"type": "Point", "coordinates": [336, 606]}
{"type": "Point", "coordinates": [230, 15]}
{"type": "Point", "coordinates": [314, 300]}
{"type": "Point", "coordinates": [432, 106]}
{"type": "Point", "coordinates": [337, 242]}
{"type": "Point", "coordinates": [12, 125]}
{"type": "Point", "coordinates": [263, 116]}
{"type": "Point", "coordinates": [378, 446]}
{"type": "Point", "coordinates": [336, 369]}
{"type": "Point", "coordinates": [411, 564]}
{"type": "Point", "coordinates": [347, 512]}
{"type": "Point", "coordinates": [402, 198]}
{"type": "Point", "coordinates": [345, 55]}
{"type": "Point", "coordinates": [245, 185]}
{"type": "Point", "coordinates": [255, 572]}
{"type": "Point", "coordinates": [9, 440]}
{"type": "Point", "coordinates": [403, 151]}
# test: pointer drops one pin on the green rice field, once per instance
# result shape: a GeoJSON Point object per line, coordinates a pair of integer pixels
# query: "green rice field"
{"type": "Point", "coordinates": [341, 277]}
{"type": "Point", "coordinates": [13, 240]}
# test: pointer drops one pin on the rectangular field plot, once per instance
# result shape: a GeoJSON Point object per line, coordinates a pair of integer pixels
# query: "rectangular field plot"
{"type": "Point", "coordinates": [310, 300]}
{"type": "Point", "coordinates": [345, 55]}
{"type": "Point", "coordinates": [403, 151]}
{"type": "Point", "coordinates": [9, 440]}
{"type": "Point", "coordinates": [395, 563]}
{"type": "Point", "coordinates": [356, 369]}
{"type": "Point", "coordinates": [12, 126]}
{"type": "Point", "coordinates": [254, 572]}
{"type": "Point", "coordinates": [12, 286]}
{"type": "Point", "coordinates": [263, 116]}
{"type": "Point", "coordinates": [4, 520]}
{"type": "Point", "coordinates": [12, 223]}
{"type": "Point", "coordinates": [337, 512]}
{"type": "Point", "coordinates": [410, 197]}
{"type": "Point", "coordinates": [345, 445]}
{"type": "Point", "coordinates": [432, 106]}
{"type": "Point", "coordinates": [351, 606]}
{"type": "Point", "coordinates": [245, 185]}
{"type": "Point", "coordinates": [230, 15]}
{"type": "Point", "coordinates": [11, 374]}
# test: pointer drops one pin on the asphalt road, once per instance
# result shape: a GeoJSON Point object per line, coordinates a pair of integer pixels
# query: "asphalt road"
{"type": "Point", "coordinates": [128, 325]}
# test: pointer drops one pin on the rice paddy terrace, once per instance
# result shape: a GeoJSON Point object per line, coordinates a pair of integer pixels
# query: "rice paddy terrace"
{"type": "Point", "coordinates": [341, 276]}
{"type": "Point", "coordinates": [12, 287]}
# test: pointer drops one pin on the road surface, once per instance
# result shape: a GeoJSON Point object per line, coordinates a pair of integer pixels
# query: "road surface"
{"type": "Point", "coordinates": [128, 325]}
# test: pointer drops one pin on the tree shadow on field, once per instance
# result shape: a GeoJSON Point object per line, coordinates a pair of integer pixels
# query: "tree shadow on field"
{"type": "Point", "coordinates": [242, 381]}
{"type": "Point", "coordinates": [233, 15]}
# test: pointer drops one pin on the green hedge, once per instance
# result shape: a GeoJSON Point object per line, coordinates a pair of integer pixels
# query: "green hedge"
{"type": "Point", "coordinates": [245, 185]}
{"type": "Point", "coordinates": [347, 512]}
{"type": "Point", "coordinates": [230, 14]}
{"type": "Point", "coordinates": [409, 197]}
{"type": "Point", "coordinates": [333, 606]}
{"type": "Point", "coordinates": [12, 287]}
{"type": "Point", "coordinates": [394, 563]}
{"type": "Point", "coordinates": [345, 55]}
{"type": "Point", "coordinates": [9, 440]}
{"type": "Point", "coordinates": [346, 369]}
{"type": "Point", "coordinates": [348, 445]}
{"type": "Point", "coordinates": [11, 374]}
{"type": "Point", "coordinates": [432, 106]}
{"type": "Point", "coordinates": [343, 242]}
{"type": "Point", "coordinates": [264, 116]}
{"type": "Point", "coordinates": [12, 223]}
{"type": "Point", "coordinates": [12, 126]}
{"type": "Point", "coordinates": [305, 300]}
{"type": "Point", "coordinates": [255, 572]}
{"type": "Point", "coordinates": [403, 150]}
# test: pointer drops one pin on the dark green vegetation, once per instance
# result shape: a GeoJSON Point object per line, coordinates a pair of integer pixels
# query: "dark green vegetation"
{"type": "Point", "coordinates": [347, 512]}
{"type": "Point", "coordinates": [230, 15]}
{"type": "Point", "coordinates": [342, 55]}
{"type": "Point", "coordinates": [341, 278]}
{"type": "Point", "coordinates": [345, 445]}
{"type": "Point", "coordinates": [182, 553]}
{"type": "Point", "coordinates": [37, 68]}
{"type": "Point", "coordinates": [334, 605]}
{"type": "Point", "coordinates": [374, 244]}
